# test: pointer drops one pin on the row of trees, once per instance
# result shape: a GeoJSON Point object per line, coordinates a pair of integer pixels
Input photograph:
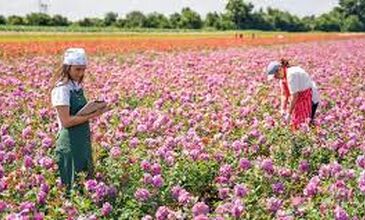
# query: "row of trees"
{"type": "Point", "coordinates": [348, 16]}
{"type": "Point", "coordinates": [187, 19]}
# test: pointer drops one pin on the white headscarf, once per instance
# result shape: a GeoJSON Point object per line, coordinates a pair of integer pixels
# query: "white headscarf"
{"type": "Point", "coordinates": [75, 56]}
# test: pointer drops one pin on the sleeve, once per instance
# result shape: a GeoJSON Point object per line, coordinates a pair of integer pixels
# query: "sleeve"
{"type": "Point", "coordinates": [60, 96]}
{"type": "Point", "coordinates": [313, 85]}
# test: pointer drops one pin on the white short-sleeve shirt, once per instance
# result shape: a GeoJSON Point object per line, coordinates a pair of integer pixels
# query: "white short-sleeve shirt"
{"type": "Point", "coordinates": [60, 95]}
{"type": "Point", "coordinates": [299, 80]}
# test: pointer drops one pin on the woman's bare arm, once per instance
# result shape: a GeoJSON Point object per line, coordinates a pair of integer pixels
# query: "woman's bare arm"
{"type": "Point", "coordinates": [293, 101]}
{"type": "Point", "coordinates": [284, 103]}
{"type": "Point", "coordinates": [69, 121]}
{"type": "Point", "coordinates": [284, 100]}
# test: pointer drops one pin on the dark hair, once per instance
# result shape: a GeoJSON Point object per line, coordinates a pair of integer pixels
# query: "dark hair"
{"type": "Point", "coordinates": [284, 62]}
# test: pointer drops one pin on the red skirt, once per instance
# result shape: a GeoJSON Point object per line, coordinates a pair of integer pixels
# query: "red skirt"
{"type": "Point", "coordinates": [303, 108]}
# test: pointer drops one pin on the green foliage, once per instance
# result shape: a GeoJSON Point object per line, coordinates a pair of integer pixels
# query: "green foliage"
{"type": "Point", "coordinates": [238, 14]}
{"type": "Point", "coordinates": [329, 22]}
{"type": "Point", "coordinates": [2, 20]}
{"type": "Point", "coordinates": [39, 19]}
{"type": "Point", "coordinates": [175, 20]}
{"type": "Point", "coordinates": [135, 19]}
{"type": "Point", "coordinates": [284, 21]}
{"type": "Point", "coordinates": [353, 7]}
{"type": "Point", "coordinates": [195, 176]}
{"type": "Point", "coordinates": [15, 20]}
{"type": "Point", "coordinates": [59, 20]}
{"type": "Point", "coordinates": [91, 22]}
{"type": "Point", "coordinates": [157, 20]}
{"type": "Point", "coordinates": [352, 23]}
{"type": "Point", "coordinates": [190, 19]}
{"type": "Point", "coordinates": [110, 18]}
{"type": "Point", "coordinates": [212, 20]}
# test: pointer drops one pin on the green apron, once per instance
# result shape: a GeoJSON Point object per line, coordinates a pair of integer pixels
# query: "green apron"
{"type": "Point", "coordinates": [73, 145]}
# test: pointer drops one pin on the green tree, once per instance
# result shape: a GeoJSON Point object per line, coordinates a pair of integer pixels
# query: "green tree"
{"type": "Point", "coordinates": [91, 22]}
{"type": "Point", "coordinates": [330, 22]}
{"type": "Point", "coordinates": [212, 19]}
{"type": "Point", "coordinates": [110, 18]}
{"type": "Point", "coordinates": [239, 12]}
{"type": "Point", "coordinates": [226, 23]}
{"type": "Point", "coordinates": [309, 22]}
{"type": "Point", "coordinates": [39, 19]}
{"type": "Point", "coordinates": [98, 22]}
{"type": "Point", "coordinates": [135, 19]}
{"type": "Point", "coordinates": [261, 21]}
{"type": "Point", "coordinates": [353, 7]}
{"type": "Point", "coordinates": [284, 21]}
{"type": "Point", "coordinates": [2, 20]}
{"type": "Point", "coordinates": [121, 22]}
{"type": "Point", "coordinates": [85, 22]}
{"type": "Point", "coordinates": [59, 20]}
{"type": "Point", "coordinates": [16, 20]}
{"type": "Point", "coordinates": [190, 19]}
{"type": "Point", "coordinates": [352, 23]}
{"type": "Point", "coordinates": [157, 20]}
{"type": "Point", "coordinates": [175, 20]}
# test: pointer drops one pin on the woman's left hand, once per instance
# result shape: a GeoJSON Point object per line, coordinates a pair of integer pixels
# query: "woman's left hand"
{"type": "Point", "coordinates": [106, 109]}
{"type": "Point", "coordinates": [287, 117]}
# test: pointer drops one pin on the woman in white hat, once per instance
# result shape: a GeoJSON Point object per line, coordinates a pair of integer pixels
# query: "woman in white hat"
{"type": "Point", "coordinates": [296, 85]}
{"type": "Point", "coordinates": [73, 145]}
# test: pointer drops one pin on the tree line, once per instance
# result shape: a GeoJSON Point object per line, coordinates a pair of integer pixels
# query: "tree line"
{"type": "Point", "coordinates": [349, 15]}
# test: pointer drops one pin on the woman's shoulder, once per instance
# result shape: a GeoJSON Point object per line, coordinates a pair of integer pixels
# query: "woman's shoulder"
{"type": "Point", "coordinates": [295, 69]}
{"type": "Point", "coordinates": [67, 86]}
{"type": "Point", "coordinates": [296, 72]}
{"type": "Point", "coordinates": [61, 86]}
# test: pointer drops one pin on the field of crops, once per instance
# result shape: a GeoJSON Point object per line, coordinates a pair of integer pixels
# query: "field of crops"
{"type": "Point", "coordinates": [13, 44]}
{"type": "Point", "coordinates": [194, 133]}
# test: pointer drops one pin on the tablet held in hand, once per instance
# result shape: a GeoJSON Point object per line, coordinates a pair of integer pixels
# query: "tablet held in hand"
{"type": "Point", "coordinates": [92, 107]}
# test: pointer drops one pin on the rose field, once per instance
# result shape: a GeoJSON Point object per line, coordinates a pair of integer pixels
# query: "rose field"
{"type": "Point", "coordinates": [192, 134]}
{"type": "Point", "coordinates": [13, 44]}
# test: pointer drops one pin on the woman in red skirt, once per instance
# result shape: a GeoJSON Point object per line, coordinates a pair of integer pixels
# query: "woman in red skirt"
{"type": "Point", "coordinates": [297, 89]}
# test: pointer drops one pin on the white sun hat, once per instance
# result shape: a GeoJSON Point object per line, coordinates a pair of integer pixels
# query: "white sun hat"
{"type": "Point", "coordinates": [75, 56]}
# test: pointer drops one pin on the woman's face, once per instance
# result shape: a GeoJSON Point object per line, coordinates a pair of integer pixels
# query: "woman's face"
{"type": "Point", "coordinates": [77, 72]}
{"type": "Point", "coordinates": [280, 73]}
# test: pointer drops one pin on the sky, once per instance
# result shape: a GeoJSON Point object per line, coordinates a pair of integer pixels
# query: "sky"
{"type": "Point", "coordinates": [77, 9]}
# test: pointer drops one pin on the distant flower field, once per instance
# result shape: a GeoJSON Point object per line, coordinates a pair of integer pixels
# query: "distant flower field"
{"type": "Point", "coordinates": [29, 44]}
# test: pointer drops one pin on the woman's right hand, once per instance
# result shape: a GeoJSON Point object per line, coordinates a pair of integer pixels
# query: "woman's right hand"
{"type": "Point", "coordinates": [282, 112]}
{"type": "Point", "coordinates": [95, 114]}
{"type": "Point", "coordinates": [99, 112]}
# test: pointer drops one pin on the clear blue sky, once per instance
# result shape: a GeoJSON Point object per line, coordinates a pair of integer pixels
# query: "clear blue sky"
{"type": "Point", "coordinates": [75, 9]}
